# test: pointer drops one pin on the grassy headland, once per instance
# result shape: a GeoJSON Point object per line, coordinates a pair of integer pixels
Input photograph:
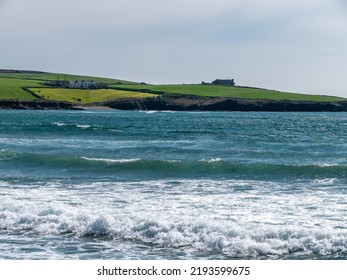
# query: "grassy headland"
{"type": "Point", "coordinates": [228, 92]}
{"type": "Point", "coordinates": [31, 85]}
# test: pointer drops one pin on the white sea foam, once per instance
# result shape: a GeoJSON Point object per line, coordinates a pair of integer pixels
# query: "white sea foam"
{"type": "Point", "coordinates": [327, 164]}
{"type": "Point", "coordinates": [235, 240]}
{"type": "Point", "coordinates": [83, 125]}
{"type": "Point", "coordinates": [59, 124]}
{"type": "Point", "coordinates": [7, 155]}
{"type": "Point", "coordinates": [77, 125]}
{"type": "Point", "coordinates": [212, 160]}
{"type": "Point", "coordinates": [236, 218]}
{"type": "Point", "coordinates": [325, 181]}
{"type": "Point", "coordinates": [109, 160]}
{"type": "Point", "coordinates": [4, 184]}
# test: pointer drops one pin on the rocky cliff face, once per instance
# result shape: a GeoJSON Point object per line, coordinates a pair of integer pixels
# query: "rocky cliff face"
{"type": "Point", "coordinates": [35, 105]}
{"type": "Point", "coordinates": [186, 103]}
{"type": "Point", "coordinates": [195, 103]}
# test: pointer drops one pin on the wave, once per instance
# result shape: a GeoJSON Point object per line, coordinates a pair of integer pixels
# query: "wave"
{"type": "Point", "coordinates": [237, 240]}
{"type": "Point", "coordinates": [108, 160]}
{"type": "Point", "coordinates": [59, 124]}
{"type": "Point", "coordinates": [192, 168]}
{"type": "Point", "coordinates": [62, 127]}
{"type": "Point", "coordinates": [83, 126]}
{"type": "Point", "coordinates": [7, 155]}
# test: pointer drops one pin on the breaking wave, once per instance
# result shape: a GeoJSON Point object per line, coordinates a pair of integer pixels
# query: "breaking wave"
{"type": "Point", "coordinates": [234, 241]}
{"type": "Point", "coordinates": [180, 168]}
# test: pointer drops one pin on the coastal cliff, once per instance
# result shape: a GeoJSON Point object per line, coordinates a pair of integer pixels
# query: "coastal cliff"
{"type": "Point", "coordinates": [179, 102]}
{"type": "Point", "coordinates": [195, 103]}
{"type": "Point", "coordinates": [36, 105]}
{"type": "Point", "coordinates": [37, 90]}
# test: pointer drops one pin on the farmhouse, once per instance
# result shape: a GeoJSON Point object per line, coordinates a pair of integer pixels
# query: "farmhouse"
{"type": "Point", "coordinates": [229, 83]}
{"type": "Point", "coordinates": [77, 84]}
{"type": "Point", "coordinates": [82, 84]}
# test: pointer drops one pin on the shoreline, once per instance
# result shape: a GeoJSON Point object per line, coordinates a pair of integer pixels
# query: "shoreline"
{"type": "Point", "coordinates": [183, 103]}
{"type": "Point", "coordinates": [94, 108]}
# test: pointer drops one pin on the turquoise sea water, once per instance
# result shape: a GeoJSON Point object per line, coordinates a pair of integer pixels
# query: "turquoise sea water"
{"type": "Point", "coordinates": [172, 185]}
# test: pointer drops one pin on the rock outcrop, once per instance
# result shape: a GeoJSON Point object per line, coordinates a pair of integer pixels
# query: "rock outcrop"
{"type": "Point", "coordinates": [36, 105]}
{"type": "Point", "coordinates": [177, 102]}
{"type": "Point", "coordinates": [194, 103]}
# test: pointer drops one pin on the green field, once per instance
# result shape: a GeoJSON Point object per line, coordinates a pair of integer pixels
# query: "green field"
{"type": "Point", "coordinates": [83, 96]}
{"type": "Point", "coordinates": [237, 92]}
{"type": "Point", "coordinates": [11, 89]}
{"type": "Point", "coordinates": [13, 85]}
{"type": "Point", "coordinates": [42, 77]}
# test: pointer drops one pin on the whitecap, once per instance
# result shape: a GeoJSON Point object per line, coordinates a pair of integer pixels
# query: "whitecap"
{"type": "Point", "coordinates": [111, 160]}
{"type": "Point", "coordinates": [83, 126]}
{"type": "Point", "coordinates": [59, 124]}
{"type": "Point", "coordinates": [211, 160]}
{"type": "Point", "coordinates": [325, 181]}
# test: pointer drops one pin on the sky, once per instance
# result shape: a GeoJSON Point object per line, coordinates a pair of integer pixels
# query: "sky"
{"type": "Point", "coordinates": [287, 45]}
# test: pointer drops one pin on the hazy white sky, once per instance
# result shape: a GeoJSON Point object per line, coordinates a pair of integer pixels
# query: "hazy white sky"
{"type": "Point", "coordinates": [289, 45]}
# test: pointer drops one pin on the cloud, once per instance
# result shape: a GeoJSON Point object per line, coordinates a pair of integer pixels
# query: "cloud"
{"type": "Point", "coordinates": [289, 45]}
{"type": "Point", "coordinates": [3, 2]}
{"type": "Point", "coordinates": [120, 12]}
{"type": "Point", "coordinates": [2, 5]}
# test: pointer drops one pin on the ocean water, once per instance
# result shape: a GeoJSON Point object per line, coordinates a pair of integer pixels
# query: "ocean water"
{"type": "Point", "coordinates": [172, 185]}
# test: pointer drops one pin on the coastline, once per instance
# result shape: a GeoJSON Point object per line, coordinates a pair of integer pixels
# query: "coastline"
{"type": "Point", "coordinates": [183, 103]}
{"type": "Point", "coordinates": [36, 105]}
{"type": "Point", "coordinates": [94, 108]}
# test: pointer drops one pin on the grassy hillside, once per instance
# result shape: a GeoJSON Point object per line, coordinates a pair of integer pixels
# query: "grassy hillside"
{"type": "Point", "coordinates": [82, 96]}
{"type": "Point", "coordinates": [42, 76]}
{"type": "Point", "coordinates": [238, 92]}
{"type": "Point", "coordinates": [11, 89]}
{"type": "Point", "coordinates": [14, 85]}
